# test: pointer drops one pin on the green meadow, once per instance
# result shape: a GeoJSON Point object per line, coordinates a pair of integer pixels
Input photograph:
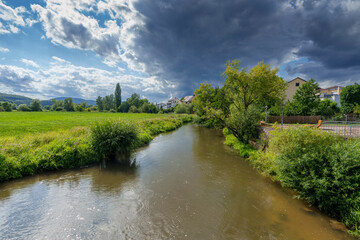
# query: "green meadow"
{"type": "Point", "coordinates": [35, 142]}
{"type": "Point", "coordinates": [23, 123]}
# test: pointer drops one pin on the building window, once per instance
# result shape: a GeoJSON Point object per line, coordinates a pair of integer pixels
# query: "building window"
{"type": "Point", "coordinates": [297, 84]}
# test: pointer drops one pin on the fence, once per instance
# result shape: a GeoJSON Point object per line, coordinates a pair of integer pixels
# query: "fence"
{"type": "Point", "coordinates": [295, 119]}
{"type": "Point", "coordinates": [342, 128]}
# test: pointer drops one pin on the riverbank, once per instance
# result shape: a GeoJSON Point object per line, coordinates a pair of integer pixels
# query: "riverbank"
{"type": "Point", "coordinates": [23, 155]}
{"type": "Point", "coordinates": [323, 169]}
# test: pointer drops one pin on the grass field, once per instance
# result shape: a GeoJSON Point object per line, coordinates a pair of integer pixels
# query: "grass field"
{"type": "Point", "coordinates": [35, 142]}
{"type": "Point", "coordinates": [24, 123]}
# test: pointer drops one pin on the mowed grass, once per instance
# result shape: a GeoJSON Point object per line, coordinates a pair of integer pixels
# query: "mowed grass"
{"type": "Point", "coordinates": [25, 123]}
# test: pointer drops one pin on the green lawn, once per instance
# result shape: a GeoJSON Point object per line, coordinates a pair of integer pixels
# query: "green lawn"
{"type": "Point", "coordinates": [23, 123]}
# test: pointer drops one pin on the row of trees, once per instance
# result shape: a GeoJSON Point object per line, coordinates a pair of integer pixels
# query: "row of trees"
{"type": "Point", "coordinates": [133, 104]}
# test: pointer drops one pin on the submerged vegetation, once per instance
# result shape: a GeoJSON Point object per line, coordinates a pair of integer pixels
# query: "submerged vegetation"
{"type": "Point", "coordinates": [22, 155]}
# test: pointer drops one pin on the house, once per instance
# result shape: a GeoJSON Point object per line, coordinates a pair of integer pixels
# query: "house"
{"type": "Point", "coordinates": [188, 99]}
{"type": "Point", "coordinates": [292, 86]}
{"type": "Point", "coordinates": [332, 93]}
{"type": "Point", "coordinates": [172, 102]}
{"type": "Point", "coordinates": [161, 106]}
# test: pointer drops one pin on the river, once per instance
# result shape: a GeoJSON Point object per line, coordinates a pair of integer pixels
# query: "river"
{"type": "Point", "coordinates": [186, 185]}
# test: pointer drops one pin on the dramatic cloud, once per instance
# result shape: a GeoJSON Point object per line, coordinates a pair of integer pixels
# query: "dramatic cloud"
{"type": "Point", "coordinates": [169, 47]}
{"type": "Point", "coordinates": [62, 78]}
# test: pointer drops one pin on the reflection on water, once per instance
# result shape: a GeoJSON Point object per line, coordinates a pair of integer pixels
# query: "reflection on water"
{"type": "Point", "coordinates": [184, 185]}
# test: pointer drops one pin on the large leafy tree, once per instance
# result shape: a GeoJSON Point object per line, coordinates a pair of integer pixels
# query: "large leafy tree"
{"type": "Point", "coordinates": [237, 104]}
{"type": "Point", "coordinates": [349, 97]}
{"type": "Point", "coordinates": [306, 99]}
{"type": "Point", "coordinates": [35, 105]}
{"type": "Point", "coordinates": [117, 96]}
{"type": "Point", "coordinates": [259, 86]}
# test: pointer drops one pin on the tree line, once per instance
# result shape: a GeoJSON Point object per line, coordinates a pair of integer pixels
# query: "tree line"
{"type": "Point", "coordinates": [133, 104]}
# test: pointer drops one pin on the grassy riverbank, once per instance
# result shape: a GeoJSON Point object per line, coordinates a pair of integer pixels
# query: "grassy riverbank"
{"type": "Point", "coordinates": [323, 169]}
{"type": "Point", "coordinates": [66, 144]}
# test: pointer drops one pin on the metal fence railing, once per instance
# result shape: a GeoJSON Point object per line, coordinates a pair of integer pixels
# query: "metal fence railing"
{"type": "Point", "coordinates": [342, 128]}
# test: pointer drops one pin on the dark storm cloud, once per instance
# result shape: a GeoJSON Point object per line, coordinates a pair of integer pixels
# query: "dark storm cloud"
{"type": "Point", "coordinates": [190, 41]}
{"type": "Point", "coordinates": [334, 30]}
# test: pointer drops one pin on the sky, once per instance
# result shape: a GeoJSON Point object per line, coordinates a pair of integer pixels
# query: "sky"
{"type": "Point", "coordinates": [166, 48]}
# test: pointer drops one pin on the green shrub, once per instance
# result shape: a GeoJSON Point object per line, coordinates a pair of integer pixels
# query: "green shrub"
{"type": "Point", "coordinates": [110, 137]}
{"type": "Point", "coordinates": [324, 169]}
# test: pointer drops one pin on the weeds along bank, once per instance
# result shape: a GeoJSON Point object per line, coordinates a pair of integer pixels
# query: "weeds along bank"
{"type": "Point", "coordinates": [31, 154]}
{"type": "Point", "coordinates": [323, 169]}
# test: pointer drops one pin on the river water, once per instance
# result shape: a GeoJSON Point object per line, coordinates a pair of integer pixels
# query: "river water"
{"type": "Point", "coordinates": [186, 185]}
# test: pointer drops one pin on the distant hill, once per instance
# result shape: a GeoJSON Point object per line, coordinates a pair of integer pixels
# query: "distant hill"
{"type": "Point", "coordinates": [12, 98]}
{"type": "Point", "coordinates": [17, 99]}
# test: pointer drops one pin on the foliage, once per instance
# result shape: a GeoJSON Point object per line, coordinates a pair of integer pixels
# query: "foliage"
{"type": "Point", "coordinates": [117, 96]}
{"type": "Point", "coordinates": [124, 107]}
{"type": "Point", "coordinates": [133, 109]}
{"type": "Point", "coordinates": [5, 106]}
{"type": "Point", "coordinates": [259, 86]}
{"type": "Point", "coordinates": [99, 103]}
{"type": "Point", "coordinates": [69, 105]}
{"type": "Point", "coordinates": [24, 108]}
{"type": "Point", "coordinates": [350, 96]}
{"type": "Point", "coordinates": [35, 105]}
{"type": "Point", "coordinates": [57, 104]}
{"type": "Point", "coordinates": [306, 100]}
{"type": "Point", "coordinates": [236, 105]}
{"type": "Point", "coordinates": [111, 137]}
{"type": "Point", "coordinates": [327, 108]}
{"type": "Point", "coordinates": [184, 108]}
{"type": "Point", "coordinates": [245, 150]}
{"type": "Point", "coordinates": [324, 169]}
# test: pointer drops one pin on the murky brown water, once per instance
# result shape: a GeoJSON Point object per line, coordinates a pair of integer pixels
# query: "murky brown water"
{"type": "Point", "coordinates": [187, 185]}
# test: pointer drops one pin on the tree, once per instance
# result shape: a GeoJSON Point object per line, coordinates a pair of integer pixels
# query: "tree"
{"type": "Point", "coordinates": [57, 105]}
{"type": "Point", "coordinates": [6, 106]}
{"type": "Point", "coordinates": [24, 108]}
{"type": "Point", "coordinates": [124, 107]}
{"type": "Point", "coordinates": [134, 100]}
{"type": "Point", "coordinates": [117, 96]}
{"type": "Point", "coordinates": [255, 87]}
{"type": "Point", "coordinates": [68, 105]}
{"type": "Point", "coordinates": [35, 105]}
{"type": "Point", "coordinates": [108, 102]}
{"type": "Point", "coordinates": [349, 97]}
{"type": "Point", "coordinates": [306, 99]}
{"type": "Point", "coordinates": [237, 104]}
{"type": "Point", "coordinates": [99, 103]}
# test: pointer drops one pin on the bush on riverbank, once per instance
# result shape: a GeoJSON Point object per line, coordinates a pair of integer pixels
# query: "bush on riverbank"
{"type": "Point", "coordinates": [27, 155]}
{"type": "Point", "coordinates": [323, 169]}
{"type": "Point", "coordinates": [110, 138]}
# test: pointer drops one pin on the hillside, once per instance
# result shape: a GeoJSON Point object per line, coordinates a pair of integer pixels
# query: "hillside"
{"type": "Point", "coordinates": [12, 98]}
{"type": "Point", "coordinates": [18, 99]}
